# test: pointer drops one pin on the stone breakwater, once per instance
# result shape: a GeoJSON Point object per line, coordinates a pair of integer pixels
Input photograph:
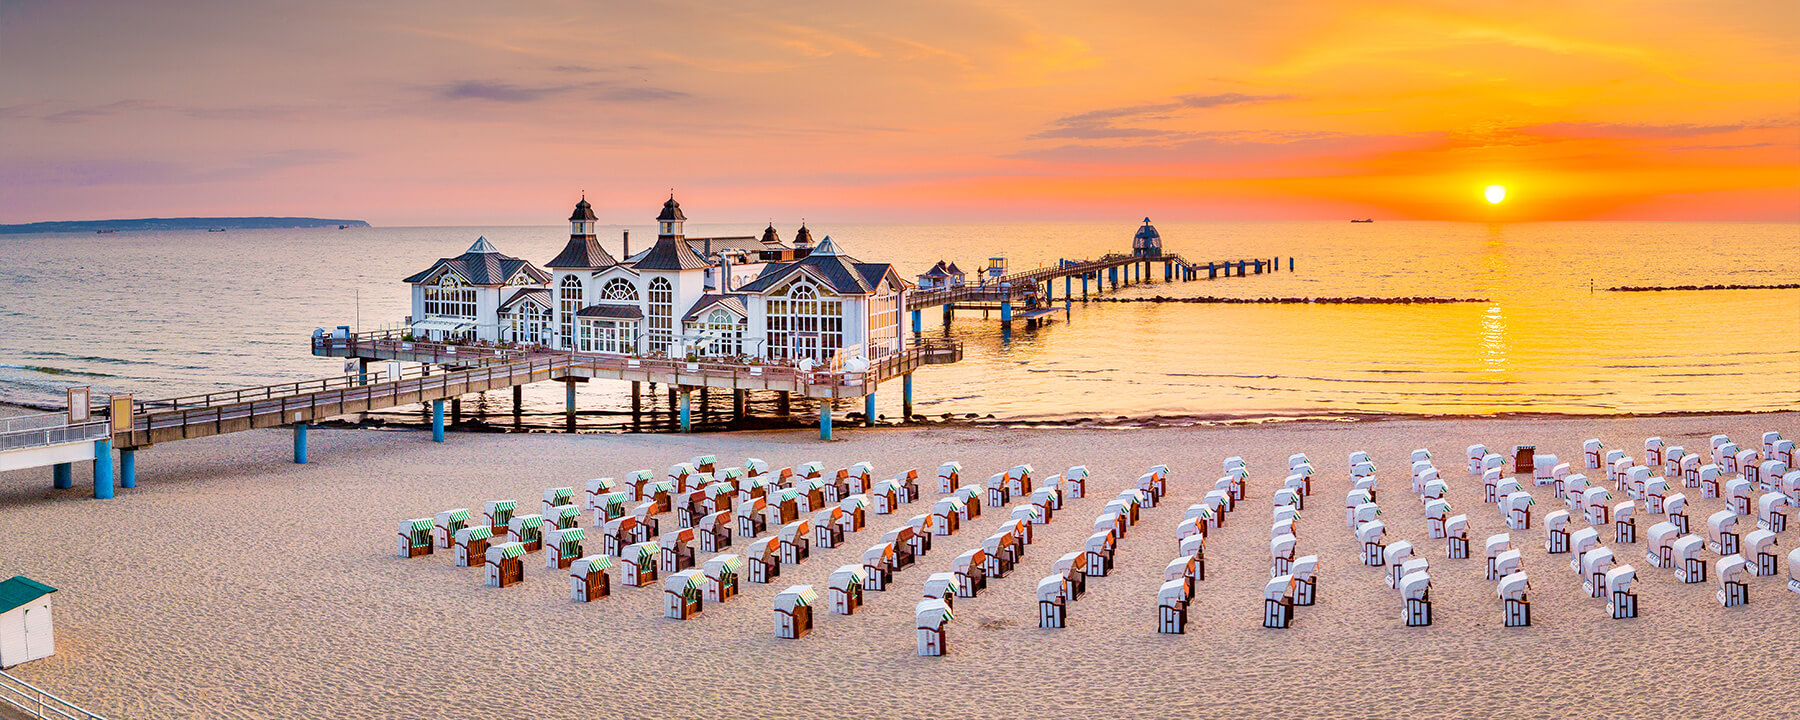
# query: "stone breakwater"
{"type": "Point", "coordinates": [1661, 288]}
{"type": "Point", "coordinates": [1299, 300]}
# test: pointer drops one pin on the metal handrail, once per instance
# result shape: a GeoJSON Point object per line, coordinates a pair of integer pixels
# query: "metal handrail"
{"type": "Point", "coordinates": [34, 421]}
{"type": "Point", "coordinates": [39, 704]}
{"type": "Point", "coordinates": [59, 435]}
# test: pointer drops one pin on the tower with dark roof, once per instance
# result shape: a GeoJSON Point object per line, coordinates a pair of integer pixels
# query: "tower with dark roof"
{"type": "Point", "coordinates": [668, 224]}
{"type": "Point", "coordinates": [803, 238]}
{"type": "Point", "coordinates": [583, 250]}
{"type": "Point", "coordinates": [770, 237]}
{"type": "Point", "coordinates": [1147, 242]}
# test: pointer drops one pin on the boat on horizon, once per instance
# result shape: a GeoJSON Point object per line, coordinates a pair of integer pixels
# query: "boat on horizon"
{"type": "Point", "coordinates": [215, 229]}
{"type": "Point", "coordinates": [1364, 220]}
{"type": "Point", "coordinates": [103, 232]}
{"type": "Point", "coordinates": [343, 227]}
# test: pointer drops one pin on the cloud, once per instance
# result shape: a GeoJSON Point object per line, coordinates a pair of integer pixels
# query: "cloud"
{"type": "Point", "coordinates": [1254, 153]}
{"type": "Point", "coordinates": [98, 112]}
{"type": "Point", "coordinates": [512, 93]}
{"type": "Point", "coordinates": [1626, 131]}
{"type": "Point", "coordinates": [89, 173]}
{"type": "Point", "coordinates": [1103, 124]}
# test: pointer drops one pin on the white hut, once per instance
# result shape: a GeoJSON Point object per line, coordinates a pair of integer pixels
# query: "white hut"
{"type": "Point", "coordinates": [765, 559]}
{"type": "Point", "coordinates": [1437, 510]}
{"type": "Point", "coordinates": [682, 594]}
{"type": "Point", "coordinates": [445, 525]}
{"type": "Point", "coordinates": [1281, 554]}
{"type": "Point", "coordinates": [1590, 452]}
{"type": "Point", "coordinates": [471, 543]}
{"type": "Point", "coordinates": [1732, 589]}
{"type": "Point", "coordinates": [588, 580]}
{"type": "Point", "coordinates": [1099, 549]}
{"type": "Point", "coordinates": [1721, 532]}
{"type": "Point", "coordinates": [1689, 568]}
{"type": "Point", "coordinates": [618, 533]}
{"type": "Point", "coordinates": [1171, 607]}
{"type": "Point", "coordinates": [1046, 500]}
{"type": "Point", "coordinates": [1415, 588]}
{"type": "Point", "coordinates": [1278, 602]}
{"type": "Point", "coordinates": [415, 538]}
{"type": "Point", "coordinates": [1513, 590]}
{"type": "Point", "coordinates": [1053, 601]}
{"type": "Point", "coordinates": [931, 617]}
{"type": "Point", "coordinates": [846, 588]}
{"type": "Point", "coordinates": [505, 564]}
{"type": "Point", "coordinates": [26, 629]}
{"type": "Point", "coordinates": [1518, 510]}
{"type": "Point", "coordinates": [498, 514]}
{"type": "Point", "coordinates": [922, 527]}
{"type": "Point", "coordinates": [722, 573]}
{"type": "Point", "coordinates": [714, 531]}
{"type": "Point", "coordinates": [885, 497]}
{"type": "Point", "coordinates": [675, 552]}
{"type": "Point", "coordinates": [1675, 508]}
{"type": "Point", "coordinates": [554, 497]}
{"type": "Point", "coordinates": [1594, 564]}
{"type": "Point", "coordinates": [527, 530]}
{"type": "Point", "coordinates": [638, 564]}
{"type": "Point", "coordinates": [1659, 542]}
{"type": "Point", "coordinates": [1456, 536]}
{"type": "Point", "coordinates": [795, 547]}
{"type": "Point", "coordinates": [793, 611]}
{"type": "Point", "coordinates": [949, 477]}
{"type": "Point", "coordinates": [878, 565]}
{"type": "Point", "coordinates": [946, 515]}
{"type": "Point", "coordinates": [1593, 503]}
{"type": "Point", "coordinates": [1556, 532]}
{"type": "Point", "coordinates": [562, 547]}
{"type": "Point", "coordinates": [1771, 512]}
{"type": "Point", "coordinates": [1737, 495]}
{"type": "Point", "coordinates": [827, 532]}
{"type": "Point", "coordinates": [1072, 566]}
{"type": "Point", "coordinates": [902, 540]}
{"type": "Point", "coordinates": [1306, 581]}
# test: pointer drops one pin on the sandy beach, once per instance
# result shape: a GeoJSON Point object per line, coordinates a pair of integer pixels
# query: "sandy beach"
{"type": "Point", "coordinates": [232, 583]}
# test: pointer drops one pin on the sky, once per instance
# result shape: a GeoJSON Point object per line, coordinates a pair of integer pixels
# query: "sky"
{"type": "Point", "coordinates": [452, 112]}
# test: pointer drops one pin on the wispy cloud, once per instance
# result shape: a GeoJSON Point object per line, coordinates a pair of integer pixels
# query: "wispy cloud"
{"type": "Point", "coordinates": [512, 93]}
{"type": "Point", "coordinates": [98, 112]}
{"type": "Point", "coordinates": [1105, 123]}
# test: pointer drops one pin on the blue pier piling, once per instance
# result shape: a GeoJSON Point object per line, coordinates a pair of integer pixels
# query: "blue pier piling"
{"type": "Point", "coordinates": [1068, 288]}
{"type": "Point", "coordinates": [127, 468]}
{"type": "Point", "coordinates": [1290, 264]}
{"type": "Point", "coordinates": [103, 470]}
{"type": "Point", "coordinates": [918, 321]}
{"type": "Point", "coordinates": [300, 443]}
{"type": "Point", "coordinates": [824, 419]}
{"type": "Point", "coordinates": [1006, 312]}
{"type": "Point", "coordinates": [1112, 273]}
{"type": "Point", "coordinates": [687, 410]}
{"type": "Point", "coordinates": [906, 412]}
{"type": "Point", "coordinates": [1049, 291]}
{"type": "Point", "coordinates": [362, 371]}
{"type": "Point", "coordinates": [62, 476]}
{"type": "Point", "coordinates": [869, 410]}
{"type": "Point", "coordinates": [1241, 265]}
{"type": "Point", "coordinates": [1084, 287]}
{"type": "Point", "coordinates": [437, 421]}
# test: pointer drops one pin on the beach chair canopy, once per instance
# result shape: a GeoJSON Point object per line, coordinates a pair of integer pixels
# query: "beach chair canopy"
{"type": "Point", "coordinates": [1280, 587]}
{"type": "Point", "coordinates": [684, 580]}
{"type": "Point", "coordinates": [1619, 579]}
{"type": "Point", "coordinates": [1303, 567]}
{"type": "Point", "coordinates": [1050, 589]}
{"type": "Point", "coordinates": [1513, 587]}
{"type": "Point", "coordinates": [879, 555]}
{"type": "Point", "coordinates": [598, 485]}
{"type": "Point", "coordinates": [969, 560]}
{"type": "Point", "coordinates": [676, 538]}
{"type": "Point", "coordinates": [796, 596]}
{"type": "Point", "coordinates": [1078, 472]}
{"type": "Point", "coordinates": [639, 476]}
{"type": "Point", "coordinates": [591, 564]}
{"type": "Point", "coordinates": [814, 468]}
{"type": "Point", "coordinates": [457, 515]}
{"type": "Point", "coordinates": [721, 564]}
{"type": "Point", "coordinates": [644, 553]}
{"type": "Point", "coordinates": [416, 525]}
{"type": "Point", "coordinates": [764, 546]}
{"type": "Point", "coordinates": [505, 551]}
{"type": "Point", "coordinates": [932, 613]}
{"type": "Point", "coordinates": [1070, 561]}
{"type": "Point", "coordinates": [847, 577]}
{"type": "Point", "coordinates": [795, 530]}
{"type": "Point", "coordinates": [470, 534]}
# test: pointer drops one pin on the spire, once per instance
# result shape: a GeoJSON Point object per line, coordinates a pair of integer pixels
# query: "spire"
{"type": "Point", "coordinates": [482, 246]}
{"type": "Point", "coordinates": [826, 247]}
{"type": "Point", "coordinates": [803, 236]}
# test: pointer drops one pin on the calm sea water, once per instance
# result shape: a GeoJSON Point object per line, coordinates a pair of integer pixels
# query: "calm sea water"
{"type": "Point", "coordinates": [167, 314]}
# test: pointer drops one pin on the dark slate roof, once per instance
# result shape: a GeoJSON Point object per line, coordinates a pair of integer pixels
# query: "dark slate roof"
{"type": "Point", "coordinates": [719, 244]}
{"type": "Point", "coordinates": [583, 211]}
{"type": "Point", "coordinates": [541, 296]}
{"type": "Point", "coordinates": [842, 273]}
{"type": "Point", "coordinates": [953, 269]}
{"type": "Point", "coordinates": [803, 236]}
{"type": "Point", "coordinates": [733, 302]}
{"type": "Point", "coordinates": [937, 271]}
{"type": "Point", "coordinates": [770, 237]}
{"type": "Point", "coordinates": [20, 590]}
{"type": "Point", "coordinates": [583, 251]}
{"type": "Point", "coordinates": [616, 312]}
{"type": "Point", "coordinates": [483, 265]}
{"type": "Point", "coordinates": [669, 253]}
{"type": "Point", "coordinates": [671, 211]}
{"type": "Point", "coordinates": [1147, 232]}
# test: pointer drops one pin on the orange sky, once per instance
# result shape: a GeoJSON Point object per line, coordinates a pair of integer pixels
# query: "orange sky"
{"type": "Point", "coordinates": [461, 112]}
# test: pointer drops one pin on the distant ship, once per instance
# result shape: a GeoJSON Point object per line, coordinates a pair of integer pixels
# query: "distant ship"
{"type": "Point", "coordinates": [103, 232]}
{"type": "Point", "coordinates": [1364, 220]}
{"type": "Point", "coordinates": [215, 230]}
{"type": "Point", "coordinates": [343, 227]}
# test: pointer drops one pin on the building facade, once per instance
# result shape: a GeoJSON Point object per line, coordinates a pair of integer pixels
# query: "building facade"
{"type": "Point", "coordinates": [735, 297]}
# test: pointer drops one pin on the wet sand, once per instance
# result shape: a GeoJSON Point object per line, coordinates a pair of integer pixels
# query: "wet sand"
{"type": "Point", "coordinates": [233, 584]}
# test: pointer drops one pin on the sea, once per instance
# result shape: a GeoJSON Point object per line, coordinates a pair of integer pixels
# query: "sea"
{"type": "Point", "coordinates": [166, 314]}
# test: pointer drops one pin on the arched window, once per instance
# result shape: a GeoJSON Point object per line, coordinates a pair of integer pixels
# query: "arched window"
{"type": "Point", "coordinates": [451, 297]}
{"type": "Point", "coordinates": [569, 303]}
{"type": "Point", "coordinates": [662, 315]}
{"type": "Point", "coordinates": [804, 325]}
{"type": "Point", "coordinates": [726, 332]}
{"type": "Point", "coordinates": [619, 289]}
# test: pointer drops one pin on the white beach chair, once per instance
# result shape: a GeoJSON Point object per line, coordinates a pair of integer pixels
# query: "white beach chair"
{"type": "Point", "coordinates": [1513, 590]}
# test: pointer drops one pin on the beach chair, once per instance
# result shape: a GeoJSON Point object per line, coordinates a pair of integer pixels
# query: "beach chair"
{"type": "Point", "coordinates": [554, 497]}
{"type": "Point", "coordinates": [1077, 477]}
{"type": "Point", "coordinates": [1053, 602]}
{"type": "Point", "coordinates": [1675, 509]}
{"type": "Point", "coordinates": [942, 586]}
{"type": "Point", "coordinates": [1593, 503]}
{"type": "Point", "coordinates": [1768, 474]}
{"type": "Point", "coordinates": [931, 616]}
{"type": "Point", "coordinates": [1580, 543]}
{"type": "Point", "coordinates": [1543, 468]}
{"type": "Point", "coordinates": [1721, 532]}
{"type": "Point", "coordinates": [752, 517]}
{"type": "Point", "coordinates": [1306, 581]}
{"type": "Point", "coordinates": [1653, 451]}
{"type": "Point", "coordinates": [1619, 471]}
{"type": "Point", "coordinates": [445, 524]}
{"type": "Point", "coordinates": [755, 467]}
{"type": "Point", "coordinates": [527, 530]}
{"type": "Point", "coordinates": [793, 611]}
{"type": "Point", "coordinates": [1099, 548]}
{"type": "Point", "coordinates": [563, 516]}
{"type": "Point", "coordinates": [1290, 498]}
{"type": "Point", "coordinates": [1624, 522]}
{"type": "Point", "coordinates": [498, 515]}
{"type": "Point", "coordinates": [1790, 486]}
{"type": "Point", "coordinates": [1219, 501]}
{"type": "Point", "coordinates": [415, 537]}
{"type": "Point", "coordinates": [1283, 526]}
{"type": "Point", "coordinates": [1415, 589]}
{"type": "Point", "coordinates": [1171, 607]}
{"type": "Point", "coordinates": [471, 543]}
{"type": "Point", "coordinates": [878, 565]}
{"type": "Point", "coordinates": [1658, 544]}
{"type": "Point", "coordinates": [971, 571]}
{"type": "Point", "coordinates": [1513, 590]}
{"type": "Point", "coordinates": [907, 485]}
{"type": "Point", "coordinates": [1000, 553]}
{"type": "Point", "coordinates": [562, 546]}
{"type": "Point", "coordinates": [649, 526]}
{"type": "Point", "coordinates": [714, 531]}
{"type": "Point", "coordinates": [1518, 510]}
{"type": "Point", "coordinates": [902, 540]}
{"type": "Point", "coordinates": [795, 543]}
{"type": "Point", "coordinates": [947, 515]}
{"type": "Point", "coordinates": [1372, 535]}
{"type": "Point", "coordinates": [1733, 591]}
{"type": "Point", "coordinates": [675, 554]}
{"type": "Point", "coordinates": [949, 477]}
{"type": "Point", "coordinates": [1018, 481]}
{"type": "Point", "coordinates": [689, 506]}
{"type": "Point", "coordinates": [682, 594]}
{"type": "Point", "coordinates": [1556, 532]}
{"type": "Point", "coordinates": [594, 489]}
{"type": "Point", "coordinates": [764, 559]}
{"type": "Point", "coordinates": [1656, 491]}
{"type": "Point", "coordinates": [1044, 500]}
{"type": "Point", "coordinates": [1672, 459]}
{"type": "Point", "coordinates": [505, 564]}
{"type": "Point", "coordinates": [1278, 602]}
{"type": "Point", "coordinates": [1689, 568]}
{"type": "Point", "coordinates": [588, 580]}
{"type": "Point", "coordinates": [1590, 451]}
{"type": "Point", "coordinates": [1747, 466]}
{"type": "Point", "coordinates": [1073, 568]}
{"type": "Point", "coordinates": [1690, 470]}
{"type": "Point", "coordinates": [1281, 554]}
{"type": "Point", "coordinates": [1793, 564]}
{"type": "Point", "coordinates": [997, 492]}
{"type": "Point", "coordinates": [1719, 441]}
{"type": "Point", "coordinates": [1477, 458]}
{"type": "Point", "coordinates": [1507, 562]}
{"type": "Point", "coordinates": [1725, 456]}
{"type": "Point", "coordinates": [1636, 478]}
{"type": "Point", "coordinates": [638, 566]}
{"type": "Point", "coordinates": [825, 527]}
{"type": "Point", "coordinates": [1456, 537]}
{"type": "Point", "coordinates": [922, 527]}
{"type": "Point", "coordinates": [1594, 565]}
{"type": "Point", "coordinates": [610, 506]}
{"type": "Point", "coordinates": [1759, 551]}
{"type": "Point", "coordinates": [1503, 487]}
{"type": "Point", "coordinates": [722, 573]}
{"type": "Point", "coordinates": [1708, 481]}
{"type": "Point", "coordinates": [1436, 511]}
{"type": "Point", "coordinates": [845, 586]}
{"type": "Point", "coordinates": [1495, 545]}
{"type": "Point", "coordinates": [1362, 513]}
{"type": "Point", "coordinates": [1621, 602]}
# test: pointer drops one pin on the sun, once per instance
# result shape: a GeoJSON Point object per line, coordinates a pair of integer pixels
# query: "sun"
{"type": "Point", "coordinates": [1495, 194]}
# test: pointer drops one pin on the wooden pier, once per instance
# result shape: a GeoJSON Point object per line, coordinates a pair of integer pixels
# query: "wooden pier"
{"type": "Point", "coordinates": [1034, 290]}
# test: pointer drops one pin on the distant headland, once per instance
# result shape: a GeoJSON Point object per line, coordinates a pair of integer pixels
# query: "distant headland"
{"type": "Point", "coordinates": [189, 223]}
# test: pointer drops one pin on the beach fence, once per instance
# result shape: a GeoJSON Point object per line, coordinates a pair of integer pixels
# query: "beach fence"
{"type": "Point", "coordinates": [35, 703]}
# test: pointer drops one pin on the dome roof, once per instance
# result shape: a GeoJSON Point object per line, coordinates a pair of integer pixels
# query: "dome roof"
{"type": "Point", "coordinates": [1147, 232]}
{"type": "Point", "coordinates": [769, 236]}
{"type": "Point", "coordinates": [583, 211]}
{"type": "Point", "coordinates": [802, 237]}
{"type": "Point", "coordinates": [671, 211]}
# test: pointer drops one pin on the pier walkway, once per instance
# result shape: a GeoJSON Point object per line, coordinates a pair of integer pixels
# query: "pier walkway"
{"type": "Point", "coordinates": [1034, 289]}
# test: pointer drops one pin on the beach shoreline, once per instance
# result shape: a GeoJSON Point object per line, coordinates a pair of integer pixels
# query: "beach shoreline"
{"type": "Point", "coordinates": [233, 583]}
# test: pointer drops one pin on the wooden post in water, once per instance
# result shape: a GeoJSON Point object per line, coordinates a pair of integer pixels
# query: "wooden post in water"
{"type": "Point", "coordinates": [737, 404]}
{"type": "Point", "coordinates": [784, 407]}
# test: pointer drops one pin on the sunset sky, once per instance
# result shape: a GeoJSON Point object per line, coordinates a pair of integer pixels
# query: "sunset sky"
{"type": "Point", "coordinates": [403, 112]}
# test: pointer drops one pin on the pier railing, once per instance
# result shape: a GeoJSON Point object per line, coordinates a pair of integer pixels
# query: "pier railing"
{"type": "Point", "coordinates": [432, 352]}
{"type": "Point", "coordinates": [29, 431]}
{"type": "Point", "coordinates": [36, 703]}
